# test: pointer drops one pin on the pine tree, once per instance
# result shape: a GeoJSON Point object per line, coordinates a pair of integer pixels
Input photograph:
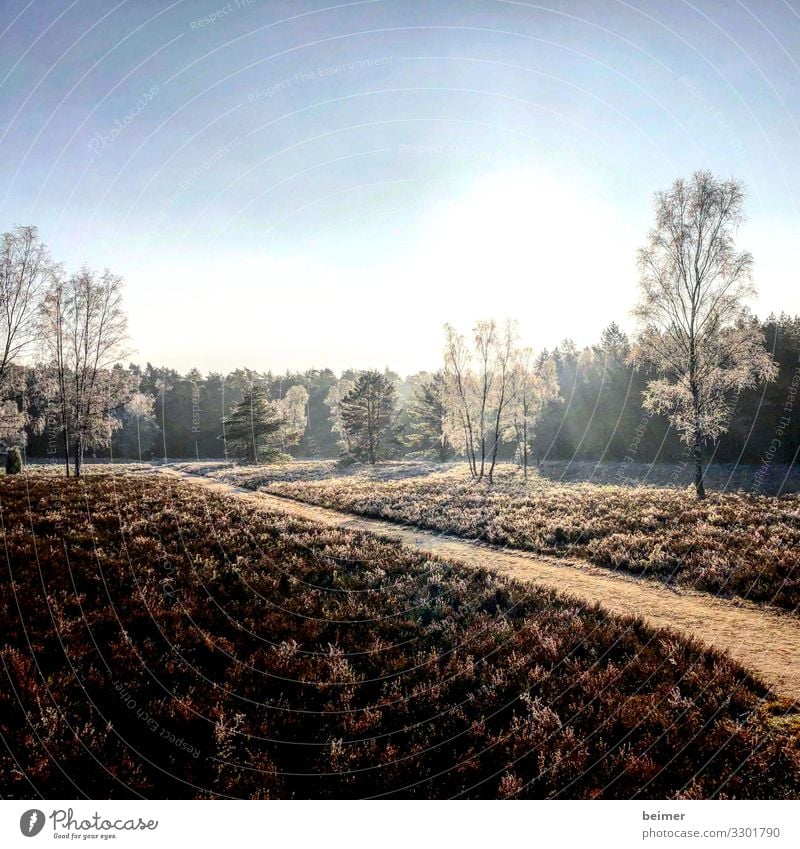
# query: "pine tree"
{"type": "Point", "coordinates": [367, 413]}
{"type": "Point", "coordinates": [253, 428]}
{"type": "Point", "coordinates": [427, 413]}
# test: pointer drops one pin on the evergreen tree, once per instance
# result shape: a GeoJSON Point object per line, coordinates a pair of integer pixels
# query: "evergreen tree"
{"type": "Point", "coordinates": [253, 428]}
{"type": "Point", "coordinates": [367, 413]}
{"type": "Point", "coordinates": [427, 417]}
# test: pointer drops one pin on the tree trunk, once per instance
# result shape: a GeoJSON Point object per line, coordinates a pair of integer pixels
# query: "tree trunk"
{"type": "Point", "coordinates": [495, 449]}
{"type": "Point", "coordinates": [699, 486]}
{"type": "Point", "coordinates": [494, 457]}
{"type": "Point", "coordinates": [525, 452]}
{"type": "Point", "coordinates": [66, 450]}
{"type": "Point", "coordinates": [469, 451]}
{"type": "Point", "coordinates": [473, 462]}
{"type": "Point", "coordinates": [78, 456]}
{"type": "Point", "coordinates": [371, 427]}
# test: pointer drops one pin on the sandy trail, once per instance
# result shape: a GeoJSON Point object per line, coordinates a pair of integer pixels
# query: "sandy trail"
{"type": "Point", "coordinates": [766, 642]}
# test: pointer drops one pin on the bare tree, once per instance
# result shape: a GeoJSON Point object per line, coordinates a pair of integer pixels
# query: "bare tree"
{"type": "Point", "coordinates": [505, 355]}
{"type": "Point", "coordinates": [694, 329]}
{"type": "Point", "coordinates": [26, 269]}
{"type": "Point", "coordinates": [84, 330]}
{"type": "Point", "coordinates": [478, 398]}
{"type": "Point", "coordinates": [459, 390]}
{"type": "Point", "coordinates": [485, 337]}
{"type": "Point", "coordinates": [535, 383]}
{"type": "Point", "coordinates": [54, 374]}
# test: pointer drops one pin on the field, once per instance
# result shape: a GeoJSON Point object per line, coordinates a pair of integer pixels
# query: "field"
{"type": "Point", "coordinates": [161, 641]}
{"type": "Point", "coordinates": [734, 544]}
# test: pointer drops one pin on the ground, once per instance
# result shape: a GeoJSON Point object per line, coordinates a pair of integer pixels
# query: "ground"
{"type": "Point", "coordinates": [169, 641]}
{"type": "Point", "coordinates": [732, 545]}
{"type": "Point", "coordinates": [766, 641]}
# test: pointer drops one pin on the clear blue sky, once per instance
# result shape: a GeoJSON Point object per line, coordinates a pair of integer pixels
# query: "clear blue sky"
{"type": "Point", "coordinates": [297, 184]}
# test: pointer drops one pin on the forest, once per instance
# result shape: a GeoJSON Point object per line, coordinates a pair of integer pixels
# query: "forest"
{"type": "Point", "coordinates": [597, 414]}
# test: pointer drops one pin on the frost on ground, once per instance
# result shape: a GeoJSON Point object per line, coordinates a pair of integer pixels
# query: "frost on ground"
{"type": "Point", "coordinates": [733, 544]}
{"type": "Point", "coordinates": [195, 639]}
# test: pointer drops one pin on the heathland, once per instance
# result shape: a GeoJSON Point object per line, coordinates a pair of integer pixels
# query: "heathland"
{"type": "Point", "coordinates": [167, 641]}
{"type": "Point", "coordinates": [733, 544]}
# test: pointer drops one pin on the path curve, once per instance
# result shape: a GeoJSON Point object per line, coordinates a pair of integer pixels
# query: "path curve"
{"type": "Point", "coordinates": [765, 642]}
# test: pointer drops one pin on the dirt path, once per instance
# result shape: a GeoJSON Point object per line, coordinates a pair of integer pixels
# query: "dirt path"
{"type": "Point", "coordinates": [766, 642]}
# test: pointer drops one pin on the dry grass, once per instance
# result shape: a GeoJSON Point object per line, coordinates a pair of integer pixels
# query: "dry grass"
{"type": "Point", "coordinates": [765, 641]}
{"type": "Point", "coordinates": [731, 545]}
{"type": "Point", "coordinates": [270, 657]}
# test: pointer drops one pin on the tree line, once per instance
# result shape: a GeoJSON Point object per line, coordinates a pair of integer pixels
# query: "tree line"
{"type": "Point", "coordinates": [596, 415]}
{"type": "Point", "coordinates": [700, 377]}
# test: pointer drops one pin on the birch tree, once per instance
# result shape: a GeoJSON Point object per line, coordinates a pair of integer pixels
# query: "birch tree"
{"type": "Point", "coordinates": [535, 383]}
{"type": "Point", "coordinates": [84, 331]}
{"type": "Point", "coordinates": [140, 406]}
{"type": "Point", "coordinates": [694, 329]}
{"type": "Point", "coordinates": [459, 392]}
{"type": "Point", "coordinates": [294, 406]}
{"type": "Point", "coordinates": [485, 339]}
{"type": "Point", "coordinates": [478, 391]}
{"type": "Point", "coordinates": [505, 355]}
{"type": "Point", "coordinates": [26, 270]}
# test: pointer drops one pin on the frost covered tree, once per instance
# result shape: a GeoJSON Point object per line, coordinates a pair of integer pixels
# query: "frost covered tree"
{"type": "Point", "coordinates": [694, 328]}
{"type": "Point", "coordinates": [83, 331]}
{"type": "Point", "coordinates": [503, 358]}
{"type": "Point", "coordinates": [140, 407]}
{"type": "Point", "coordinates": [21, 399]}
{"type": "Point", "coordinates": [294, 407]}
{"type": "Point", "coordinates": [428, 414]}
{"type": "Point", "coordinates": [12, 422]}
{"type": "Point", "coordinates": [26, 270]}
{"type": "Point", "coordinates": [460, 391]}
{"type": "Point", "coordinates": [534, 385]}
{"type": "Point", "coordinates": [478, 391]}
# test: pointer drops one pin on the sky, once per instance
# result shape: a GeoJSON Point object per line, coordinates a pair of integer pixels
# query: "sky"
{"type": "Point", "coordinates": [290, 185]}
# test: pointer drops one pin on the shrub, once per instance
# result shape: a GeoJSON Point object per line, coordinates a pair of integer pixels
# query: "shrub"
{"type": "Point", "coordinates": [731, 545]}
{"type": "Point", "coordinates": [13, 461]}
